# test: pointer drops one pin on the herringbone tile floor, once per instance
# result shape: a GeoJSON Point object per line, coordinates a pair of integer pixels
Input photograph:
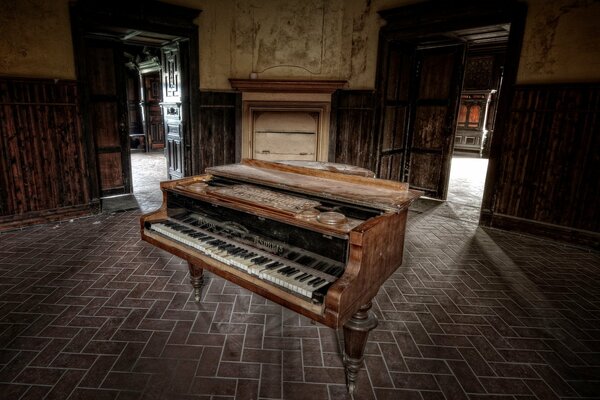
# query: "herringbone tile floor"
{"type": "Point", "coordinates": [88, 311]}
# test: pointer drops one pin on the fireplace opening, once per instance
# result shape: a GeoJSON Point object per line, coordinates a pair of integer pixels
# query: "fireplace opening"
{"type": "Point", "coordinates": [285, 120]}
{"type": "Point", "coordinates": [285, 135]}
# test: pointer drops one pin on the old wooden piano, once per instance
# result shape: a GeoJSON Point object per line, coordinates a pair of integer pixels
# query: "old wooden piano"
{"type": "Point", "coordinates": [318, 242]}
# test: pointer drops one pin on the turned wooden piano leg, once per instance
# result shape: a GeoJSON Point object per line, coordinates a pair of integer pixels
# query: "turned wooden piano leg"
{"type": "Point", "coordinates": [197, 279]}
{"type": "Point", "coordinates": [356, 332]}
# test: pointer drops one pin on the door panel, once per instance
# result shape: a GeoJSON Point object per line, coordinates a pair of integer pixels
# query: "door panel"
{"type": "Point", "coordinates": [429, 121]}
{"type": "Point", "coordinates": [154, 118]}
{"type": "Point", "coordinates": [105, 124]}
{"type": "Point", "coordinates": [395, 111]}
{"type": "Point", "coordinates": [174, 104]}
{"type": "Point", "coordinates": [439, 73]}
{"type": "Point", "coordinates": [110, 172]}
{"type": "Point", "coordinates": [391, 166]}
{"type": "Point", "coordinates": [101, 67]}
{"type": "Point", "coordinates": [108, 114]}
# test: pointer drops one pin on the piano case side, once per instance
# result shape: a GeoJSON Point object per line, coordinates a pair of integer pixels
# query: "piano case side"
{"type": "Point", "coordinates": [376, 250]}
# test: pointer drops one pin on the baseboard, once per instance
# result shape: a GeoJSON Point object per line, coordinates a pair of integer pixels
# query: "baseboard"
{"type": "Point", "coordinates": [551, 231]}
{"type": "Point", "coordinates": [9, 222]}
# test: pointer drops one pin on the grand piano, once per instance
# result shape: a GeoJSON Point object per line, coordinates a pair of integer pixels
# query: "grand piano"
{"type": "Point", "coordinates": [318, 242]}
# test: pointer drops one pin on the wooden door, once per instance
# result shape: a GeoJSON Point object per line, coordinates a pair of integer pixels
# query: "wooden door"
{"type": "Point", "coordinates": [395, 111]}
{"type": "Point", "coordinates": [107, 114]}
{"type": "Point", "coordinates": [137, 140]}
{"type": "Point", "coordinates": [175, 105]}
{"type": "Point", "coordinates": [420, 91]}
{"type": "Point", "coordinates": [155, 129]}
{"type": "Point", "coordinates": [438, 72]}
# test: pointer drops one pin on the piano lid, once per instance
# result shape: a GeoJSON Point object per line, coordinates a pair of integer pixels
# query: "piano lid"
{"type": "Point", "coordinates": [375, 193]}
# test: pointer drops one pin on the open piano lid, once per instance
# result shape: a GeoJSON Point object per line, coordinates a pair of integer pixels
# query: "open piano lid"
{"type": "Point", "coordinates": [375, 193]}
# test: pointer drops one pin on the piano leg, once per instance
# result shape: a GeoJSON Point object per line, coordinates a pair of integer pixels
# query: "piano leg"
{"type": "Point", "coordinates": [197, 279]}
{"type": "Point", "coordinates": [356, 332]}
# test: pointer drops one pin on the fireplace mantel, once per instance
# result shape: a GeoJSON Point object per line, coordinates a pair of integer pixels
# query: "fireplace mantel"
{"type": "Point", "coordinates": [285, 119]}
{"type": "Point", "coordinates": [287, 85]}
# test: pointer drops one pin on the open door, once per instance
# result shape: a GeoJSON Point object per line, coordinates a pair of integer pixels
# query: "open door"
{"type": "Point", "coordinates": [107, 114]}
{"type": "Point", "coordinates": [175, 107]}
{"type": "Point", "coordinates": [420, 94]}
{"type": "Point", "coordinates": [395, 113]}
{"type": "Point", "coordinates": [439, 73]}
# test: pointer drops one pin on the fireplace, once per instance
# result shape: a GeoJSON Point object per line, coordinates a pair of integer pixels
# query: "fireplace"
{"type": "Point", "coordinates": [285, 119]}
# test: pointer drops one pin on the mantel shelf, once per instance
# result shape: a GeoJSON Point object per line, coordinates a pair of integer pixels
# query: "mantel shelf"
{"type": "Point", "coordinates": [287, 85]}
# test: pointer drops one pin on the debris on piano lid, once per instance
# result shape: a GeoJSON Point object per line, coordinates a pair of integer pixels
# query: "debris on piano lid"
{"type": "Point", "coordinates": [331, 218]}
{"type": "Point", "coordinates": [308, 214]}
{"type": "Point", "coordinates": [197, 187]}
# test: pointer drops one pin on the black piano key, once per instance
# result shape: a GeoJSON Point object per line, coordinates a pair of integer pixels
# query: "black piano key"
{"type": "Point", "coordinates": [321, 265]}
{"type": "Point", "coordinates": [305, 260]}
{"type": "Point", "coordinates": [273, 265]}
{"type": "Point", "coordinates": [308, 276]}
{"type": "Point", "coordinates": [284, 270]}
{"type": "Point", "coordinates": [313, 281]}
{"type": "Point", "coordinates": [300, 276]}
{"type": "Point", "coordinates": [318, 282]}
{"type": "Point", "coordinates": [236, 251]}
{"type": "Point", "coordinates": [264, 260]}
{"type": "Point", "coordinates": [259, 260]}
{"type": "Point", "coordinates": [329, 269]}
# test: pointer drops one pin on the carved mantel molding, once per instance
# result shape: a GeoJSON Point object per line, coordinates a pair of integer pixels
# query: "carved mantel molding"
{"type": "Point", "coordinates": [287, 85]}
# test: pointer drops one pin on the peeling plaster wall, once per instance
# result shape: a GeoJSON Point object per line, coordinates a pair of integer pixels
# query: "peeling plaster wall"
{"type": "Point", "coordinates": [313, 39]}
{"type": "Point", "coordinates": [35, 39]}
{"type": "Point", "coordinates": [562, 42]}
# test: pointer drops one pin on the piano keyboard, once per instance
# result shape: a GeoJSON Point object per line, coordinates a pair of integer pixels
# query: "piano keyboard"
{"type": "Point", "coordinates": [307, 281]}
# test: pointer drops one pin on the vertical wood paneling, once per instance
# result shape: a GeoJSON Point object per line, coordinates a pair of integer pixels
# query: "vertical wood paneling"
{"type": "Point", "coordinates": [550, 157]}
{"type": "Point", "coordinates": [351, 134]}
{"type": "Point", "coordinates": [43, 160]}
{"type": "Point", "coordinates": [218, 124]}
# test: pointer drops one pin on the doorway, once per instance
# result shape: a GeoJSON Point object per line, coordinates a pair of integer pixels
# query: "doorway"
{"type": "Point", "coordinates": [424, 55]}
{"type": "Point", "coordinates": [121, 112]}
{"type": "Point", "coordinates": [483, 72]}
{"type": "Point", "coordinates": [146, 124]}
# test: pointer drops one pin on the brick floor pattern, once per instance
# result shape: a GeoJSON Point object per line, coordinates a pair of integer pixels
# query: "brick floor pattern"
{"type": "Point", "coordinates": [88, 311]}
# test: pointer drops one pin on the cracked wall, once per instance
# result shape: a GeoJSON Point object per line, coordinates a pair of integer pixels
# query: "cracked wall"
{"type": "Point", "coordinates": [562, 42]}
{"type": "Point", "coordinates": [313, 39]}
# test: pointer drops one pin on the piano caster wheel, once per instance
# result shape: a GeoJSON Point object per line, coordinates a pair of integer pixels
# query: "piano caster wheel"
{"type": "Point", "coordinates": [197, 295]}
{"type": "Point", "coordinates": [351, 388]}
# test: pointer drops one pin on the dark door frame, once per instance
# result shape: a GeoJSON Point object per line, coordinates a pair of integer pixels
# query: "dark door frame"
{"type": "Point", "coordinates": [425, 19]}
{"type": "Point", "coordinates": [149, 16]}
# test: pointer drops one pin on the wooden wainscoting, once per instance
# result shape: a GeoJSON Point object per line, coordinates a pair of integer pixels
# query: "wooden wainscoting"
{"type": "Point", "coordinates": [547, 172]}
{"type": "Point", "coordinates": [43, 163]}
{"type": "Point", "coordinates": [351, 135]}
{"type": "Point", "coordinates": [220, 130]}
